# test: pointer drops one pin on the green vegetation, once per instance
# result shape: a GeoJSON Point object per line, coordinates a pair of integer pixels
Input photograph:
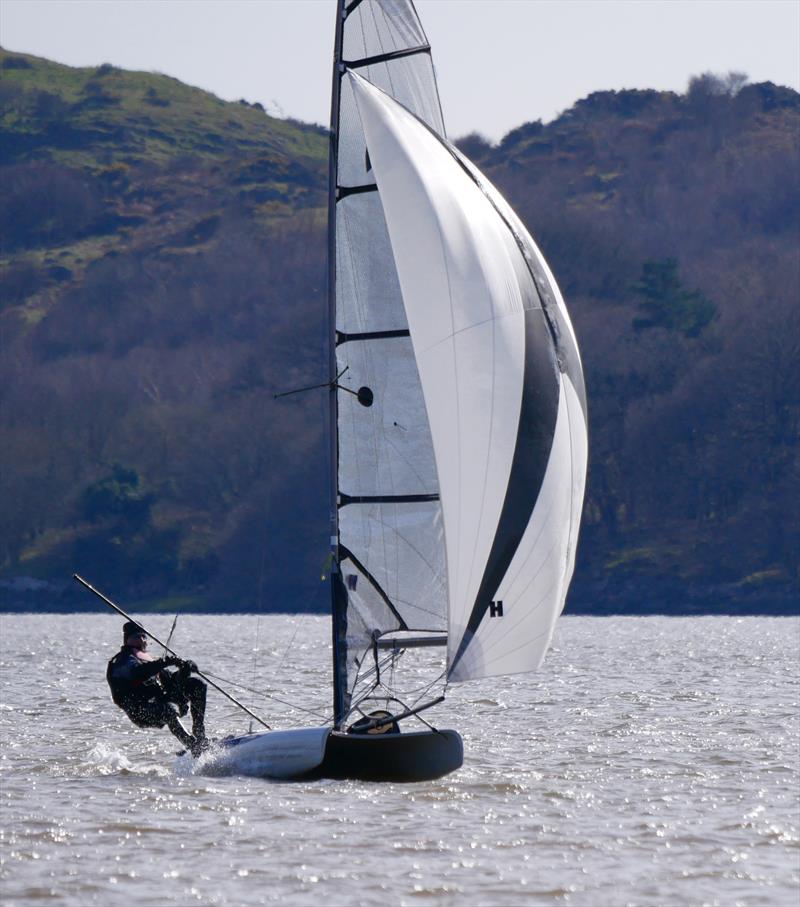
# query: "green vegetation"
{"type": "Point", "coordinates": [665, 302]}
{"type": "Point", "coordinates": [95, 117]}
{"type": "Point", "coordinates": [162, 258]}
{"type": "Point", "coordinates": [117, 496]}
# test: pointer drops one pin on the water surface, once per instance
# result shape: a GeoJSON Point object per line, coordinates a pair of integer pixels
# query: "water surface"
{"type": "Point", "coordinates": [651, 761]}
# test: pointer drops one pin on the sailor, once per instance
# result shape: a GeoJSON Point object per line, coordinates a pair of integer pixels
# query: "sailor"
{"type": "Point", "coordinates": [151, 696]}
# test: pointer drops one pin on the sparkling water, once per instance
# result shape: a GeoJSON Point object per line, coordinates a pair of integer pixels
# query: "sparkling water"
{"type": "Point", "coordinates": [651, 760]}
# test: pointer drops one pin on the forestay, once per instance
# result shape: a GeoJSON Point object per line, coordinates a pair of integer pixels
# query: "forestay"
{"type": "Point", "coordinates": [502, 385]}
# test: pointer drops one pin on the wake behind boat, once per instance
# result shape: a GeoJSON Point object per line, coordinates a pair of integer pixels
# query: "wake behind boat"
{"type": "Point", "coordinates": [458, 433]}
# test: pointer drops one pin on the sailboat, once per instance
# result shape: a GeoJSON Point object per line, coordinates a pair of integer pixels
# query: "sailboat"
{"type": "Point", "coordinates": [458, 429]}
{"type": "Point", "coordinates": [458, 433]}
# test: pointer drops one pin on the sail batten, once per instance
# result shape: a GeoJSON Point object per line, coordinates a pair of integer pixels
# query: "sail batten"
{"type": "Point", "coordinates": [344, 191]}
{"type": "Point", "coordinates": [345, 499]}
{"type": "Point", "coordinates": [371, 335]}
{"type": "Point", "coordinates": [384, 58]}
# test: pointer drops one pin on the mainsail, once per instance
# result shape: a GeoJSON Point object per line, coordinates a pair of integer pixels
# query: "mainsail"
{"type": "Point", "coordinates": [387, 534]}
{"type": "Point", "coordinates": [468, 469]}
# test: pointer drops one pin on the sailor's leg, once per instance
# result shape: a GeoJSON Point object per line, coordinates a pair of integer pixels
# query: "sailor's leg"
{"type": "Point", "coordinates": [196, 691]}
{"type": "Point", "coordinates": [157, 713]}
{"type": "Point", "coordinates": [173, 722]}
{"type": "Point", "coordinates": [173, 683]}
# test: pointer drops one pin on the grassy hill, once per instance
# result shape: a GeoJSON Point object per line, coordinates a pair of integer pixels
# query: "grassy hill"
{"type": "Point", "coordinates": [162, 258]}
{"type": "Point", "coordinates": [99, 160]}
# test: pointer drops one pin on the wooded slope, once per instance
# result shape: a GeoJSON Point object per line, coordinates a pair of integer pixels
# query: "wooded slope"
{"type": "Point", "coordinates": [162, 256]}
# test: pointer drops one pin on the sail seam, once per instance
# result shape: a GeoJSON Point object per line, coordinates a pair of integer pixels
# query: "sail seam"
{"type": "Point", "coordinates": [517, 239]}
{"type": "Point", "coordinates": [405, 458]}
{"type": "Point", "coordinates": [530, 641]}
{"type": "Point", "coordinates": [389, 32]}
{"type": "Point", "coordinates": [469, 327]}
{"type": "Point", "coordinates": [511, 580]}
{"type": "Point", "coordinates": [571, 477]}
{"type": "Point", "coordinates": [551, 509]}
{"type": "Point", "coordinates": [477, 539]}
{"type": "Point", "coordinates": [429, 565]}
{"type": "Point", "coordinates": [459, 464]}
{"type": "Point", "coordinates": [500, 559]}
{"type": "Point", "coordinates": [490, 641]}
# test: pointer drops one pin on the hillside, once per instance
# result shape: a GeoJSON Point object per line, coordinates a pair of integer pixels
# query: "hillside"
{"type": "Point", "coordinates": [162, 257]}
{"type": "Point", "coordinates": [694, 402]}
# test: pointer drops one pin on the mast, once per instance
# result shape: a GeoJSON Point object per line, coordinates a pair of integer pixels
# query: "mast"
{"type": "Point", "coordinates": [338, 595]}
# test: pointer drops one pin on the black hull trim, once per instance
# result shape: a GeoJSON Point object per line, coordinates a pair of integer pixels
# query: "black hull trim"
{"type": "Point", "coordinates": [417, 756]}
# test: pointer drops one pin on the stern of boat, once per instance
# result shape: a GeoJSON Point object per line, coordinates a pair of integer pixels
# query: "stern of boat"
{"type": "Point", "coordinates": [405, 757]}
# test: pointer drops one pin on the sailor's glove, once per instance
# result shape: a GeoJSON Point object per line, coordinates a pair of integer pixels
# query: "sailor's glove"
{"type": "Point", "coordinates": [188, 667]}
{"type": "Point", "coordinates": [172, 661]}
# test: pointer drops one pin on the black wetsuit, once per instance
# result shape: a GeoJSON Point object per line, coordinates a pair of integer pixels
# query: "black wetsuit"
{"type": "Point", "coordinates": [151, 696]}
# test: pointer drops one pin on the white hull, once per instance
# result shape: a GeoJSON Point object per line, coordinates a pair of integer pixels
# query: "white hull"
{"type": "Point", "coordinates": [272, 754]}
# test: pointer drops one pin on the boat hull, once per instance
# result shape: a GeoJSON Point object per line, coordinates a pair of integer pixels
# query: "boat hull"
{"type": "Point", "coordinates": [286, 755]}
{"type": "Point", "coordinates": [312, 753]}
{"type": "Point", "coordinates": [417, 756]}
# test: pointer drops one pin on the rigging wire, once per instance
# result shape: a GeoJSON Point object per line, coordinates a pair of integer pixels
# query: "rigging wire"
{"type": "Point", "coordinates": [367, 674]}
{"type": "Point", "coordinates": [387, 694]}
{"type": "Point", "coordinates": [171, 631]}
{"type": "Point", "coordinates": [424, 687]}
{"type": "Point", "coordinates": [286, 650]}
{"type": "Point", "coordinates": [387, 691]}
{"type": "Point", "coordinates": [390, 694]}
{"type": "Point", "coordinates": [264, 695]}
{"type": "Point", "coordinates": [390, 685]}
{"type": "Point", "coordinates": [260, 597]}
{"type": "Point", "coordinates": [423, 690]}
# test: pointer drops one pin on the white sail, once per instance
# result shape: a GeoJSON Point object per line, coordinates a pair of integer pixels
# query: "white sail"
{"type": "Point", "coordinates": [502, 385]}
{"type": "Point", "coordinates": [389, 546]}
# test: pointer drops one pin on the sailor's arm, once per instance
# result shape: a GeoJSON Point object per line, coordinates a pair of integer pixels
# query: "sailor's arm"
{"type": "Point", "coordinates": [132, 670]}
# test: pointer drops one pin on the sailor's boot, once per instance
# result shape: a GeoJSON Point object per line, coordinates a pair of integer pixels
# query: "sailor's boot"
{"type": "Point", "coordinates": [179, 731]}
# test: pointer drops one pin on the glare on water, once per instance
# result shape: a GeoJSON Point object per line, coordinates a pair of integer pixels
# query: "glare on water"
{"type": "Point", "coordinates": [650, 761]}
